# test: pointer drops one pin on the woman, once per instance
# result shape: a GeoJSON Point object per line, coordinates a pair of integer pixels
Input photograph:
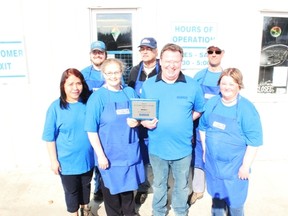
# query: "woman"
{"type": "Point", "coordinates": [69, 149]}
{"type": "Point", "coordinates": [231, 133]}
{"type": "Point", "coordinates": [114, 137]}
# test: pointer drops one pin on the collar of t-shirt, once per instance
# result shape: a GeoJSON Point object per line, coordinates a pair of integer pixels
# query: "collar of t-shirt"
{"type": "Point", "coordinates": [181, 77]}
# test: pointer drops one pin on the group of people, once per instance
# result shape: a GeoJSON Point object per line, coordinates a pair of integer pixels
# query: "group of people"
{"type": "Point", "coordinates": [203, 123]}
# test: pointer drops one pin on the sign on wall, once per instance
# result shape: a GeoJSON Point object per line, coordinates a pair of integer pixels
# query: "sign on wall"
{"type": "Point", "coordinates": [13, 66]}
{"type": "Point", "coordinates": [273, 68]}
{"type": "Point", "coordinates": [194, 39]}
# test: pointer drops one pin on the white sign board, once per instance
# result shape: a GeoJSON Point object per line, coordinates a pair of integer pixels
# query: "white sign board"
{"type": "Point", "coordinates": [13, 65]}
{"type": "Point", "coordinates": [194, 39]}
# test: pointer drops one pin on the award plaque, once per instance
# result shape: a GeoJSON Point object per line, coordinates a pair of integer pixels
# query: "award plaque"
{"type": "Point", "coordinates": [144, 109]}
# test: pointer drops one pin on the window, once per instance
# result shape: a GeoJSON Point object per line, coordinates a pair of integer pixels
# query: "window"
{"type": "Point", "coordinates": [114, 28]}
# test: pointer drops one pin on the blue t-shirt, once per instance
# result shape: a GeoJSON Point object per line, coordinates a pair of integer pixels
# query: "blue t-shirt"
{"type": "Point", "coordinates": [66, 127]}
{"type": "Point", "coordinates": [99, 99]}
{"type": "Point", "coordinates": [171, 139]}
{"type": "Point", "coordinates": [94, 78]}
{"type": "Point", "coordinates": [244, 111]}
{"type": "Point", "coordinates": [207, 77]}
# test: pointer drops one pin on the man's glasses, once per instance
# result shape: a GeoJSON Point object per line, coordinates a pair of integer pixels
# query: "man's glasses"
{"type": "Point", "coordinates": [217, 52]}
{"type": "Point", "coordinates": [145, 48]}
{"type": "Point", "coordinates": [110, 74]}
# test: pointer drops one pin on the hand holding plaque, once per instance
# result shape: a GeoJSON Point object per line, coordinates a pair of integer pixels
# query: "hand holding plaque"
{"type": "Point", "coordinates": [144, 109]}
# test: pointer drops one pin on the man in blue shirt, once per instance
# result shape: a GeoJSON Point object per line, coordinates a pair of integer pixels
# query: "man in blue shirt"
{"type": "Point", "coordinates": [180, 102]}
{"type": "Point", "coordinates": [94, 79]}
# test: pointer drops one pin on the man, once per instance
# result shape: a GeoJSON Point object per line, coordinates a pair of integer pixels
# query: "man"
{"type": "Point", "coordinates": [93, 76]}
{"type": "Point", "coordinates": [148, 67]}
{"type": "Point", "coordinates": [208, 79]}
{"type": "Point", "coordinates": [92, 73]}
{"type": "Point", "coordinates": [180, 100]}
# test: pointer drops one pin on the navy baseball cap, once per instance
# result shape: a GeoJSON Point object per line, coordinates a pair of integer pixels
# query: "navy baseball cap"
{"type": "Point", "coordinates": [98, 45]}
{"type": "Point", "coordinates": [149, 42]}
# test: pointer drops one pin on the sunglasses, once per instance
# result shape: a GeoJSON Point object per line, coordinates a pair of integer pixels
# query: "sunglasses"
{"type": "Point", "coordinates": [218, 52]}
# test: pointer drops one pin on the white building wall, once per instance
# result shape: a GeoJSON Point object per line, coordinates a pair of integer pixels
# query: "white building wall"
{"type": "Point", "coordinates": [57, 36]}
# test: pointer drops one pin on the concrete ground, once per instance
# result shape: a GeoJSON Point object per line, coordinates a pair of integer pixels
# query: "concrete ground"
{"type": "Point", "coordinates": [39, 192]}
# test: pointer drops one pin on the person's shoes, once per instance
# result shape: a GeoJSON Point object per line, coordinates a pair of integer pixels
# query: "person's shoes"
{"type": "Point", "coordinates": [140, 197]}
{"type": "Point", "coordinates": [195, 197]}
{"type": "Point", "coordinates": [98, 196]}
{"type": "Point", "coordinates": [86, 211]}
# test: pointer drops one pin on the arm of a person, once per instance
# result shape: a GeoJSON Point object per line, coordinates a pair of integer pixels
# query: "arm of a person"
{"type": "Point", "coordinates": [196, 115]}
{"type": "Point", "coordinates": [95, 142]}
{"type": "Point", "coordinates": [248, 159]}
{"type": "Point", "coordinates": [55, 165]}
{"type": "Point", "coordinates": [203, 143]}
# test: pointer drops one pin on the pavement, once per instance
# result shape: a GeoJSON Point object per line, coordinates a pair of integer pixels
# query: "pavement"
{"type": "Point", "coordinates": [38, 191]}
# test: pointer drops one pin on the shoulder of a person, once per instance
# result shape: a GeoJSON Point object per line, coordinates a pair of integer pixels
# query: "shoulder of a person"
{"type": "Point", "coordinates": [200, 73]}
{"type": "Point", "coordinates": [85, 69]}
{"type": "Point", "coordinates": [136, 67]}
{"type": "Point", "coordinates": [245, 101]}
{"type": "Point", "coordinates": [213, 100]}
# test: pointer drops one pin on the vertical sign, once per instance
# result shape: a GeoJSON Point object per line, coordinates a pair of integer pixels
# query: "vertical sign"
{"type": "Point", "coordinates": [13, 67]}
{"type": "Point", "coordinates": [273, 68]}
{"type": "Point", "coordinates": [194, 39]}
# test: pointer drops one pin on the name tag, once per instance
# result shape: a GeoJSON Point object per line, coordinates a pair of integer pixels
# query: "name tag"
{"type": "Point", "coordinates": [122, 111]}
{"type": "Point", "coordinates": [208, 96]}
{"type": "Point", "coordinates": [219, 125]}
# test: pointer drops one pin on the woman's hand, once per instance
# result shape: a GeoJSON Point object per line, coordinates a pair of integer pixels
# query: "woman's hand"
{"type": "Point", "coordinates": [103, 162]}
{"type": "Point", "coordinates": [132, 122]}
{"type": "Point", "coordinates": [150, 124]}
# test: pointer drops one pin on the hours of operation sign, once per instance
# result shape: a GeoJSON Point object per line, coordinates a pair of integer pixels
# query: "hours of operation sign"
{"type": "Point", "coordinates": [194, 39]}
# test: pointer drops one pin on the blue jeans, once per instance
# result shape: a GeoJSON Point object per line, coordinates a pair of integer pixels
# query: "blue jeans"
{"type": "Point", "coordinates": [220, 208]}
{"type": "Point", "coordinates": [180, 170]}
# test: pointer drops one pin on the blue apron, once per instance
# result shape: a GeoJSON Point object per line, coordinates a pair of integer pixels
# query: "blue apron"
{"type": "Point", "coordinates": [94, 84]}
{"type": "Point", "coordinates": [143, 135]}
{"type": "Point", "coordinates": [138, 83]}
{"type": "Point", "coordinates": [208, 92]}
{"type": "Point", "coordinates": [121, 147]}
{"type": "Point", "coordinates": [225, 150]}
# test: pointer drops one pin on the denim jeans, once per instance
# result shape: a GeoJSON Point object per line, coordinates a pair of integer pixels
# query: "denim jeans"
{"type": "Point", "coordinates": [220, 208]}
{"type": "Point", "coordinates": [180, 170]}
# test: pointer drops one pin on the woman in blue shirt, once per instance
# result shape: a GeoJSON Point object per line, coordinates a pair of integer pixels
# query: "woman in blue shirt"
{"type": "Point", "coordinates": [71, 154]}
{"type": "Point", "coordinates": [231, 133]}
{"type": "Point", "coordinates": [114, 137]}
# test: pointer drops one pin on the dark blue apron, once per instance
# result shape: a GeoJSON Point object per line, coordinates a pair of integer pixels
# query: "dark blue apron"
{"type": "Point", "coordinates": [143, 135]}
{"type": "Point", "coordinates": [225, 150]}
{"type": "Point", "coordinates": [138, 83]}
{"type": "Point", "coordinates": [94, 84]}
{"type": "Point", "coordinates": [121, 146]}
{"type": "Point", "coordinates": [208, 92]}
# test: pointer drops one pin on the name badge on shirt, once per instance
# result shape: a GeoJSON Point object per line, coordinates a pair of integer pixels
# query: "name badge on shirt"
{"type": "Point", "coordinates": [208, 96]}
{"type": "Point", "coordinates": [219, 125]}
{"type": "Point", "coordinates": [122, 111]}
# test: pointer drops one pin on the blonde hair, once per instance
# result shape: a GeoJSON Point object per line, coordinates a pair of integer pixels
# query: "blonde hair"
{"type": "Point", "coordinates": [235, 74]}
{"type": "Point", "coordinates": [111, 61]}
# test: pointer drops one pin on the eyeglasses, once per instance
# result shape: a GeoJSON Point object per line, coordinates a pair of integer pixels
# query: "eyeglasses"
{"type": "Point", "coordinates": [218, 52]}
{"type": "Point", "coordinates": [145, 48]}
{"type": "Point", "coordinates": [110, 74]}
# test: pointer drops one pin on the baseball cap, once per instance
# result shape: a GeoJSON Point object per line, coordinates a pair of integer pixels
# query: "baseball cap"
{"type": "Point", "coordinates": [98, 45]}
{"type": "Point", "coordinates": [149, 42]}
{"type": "Point", "coordinates": [216, 44]}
